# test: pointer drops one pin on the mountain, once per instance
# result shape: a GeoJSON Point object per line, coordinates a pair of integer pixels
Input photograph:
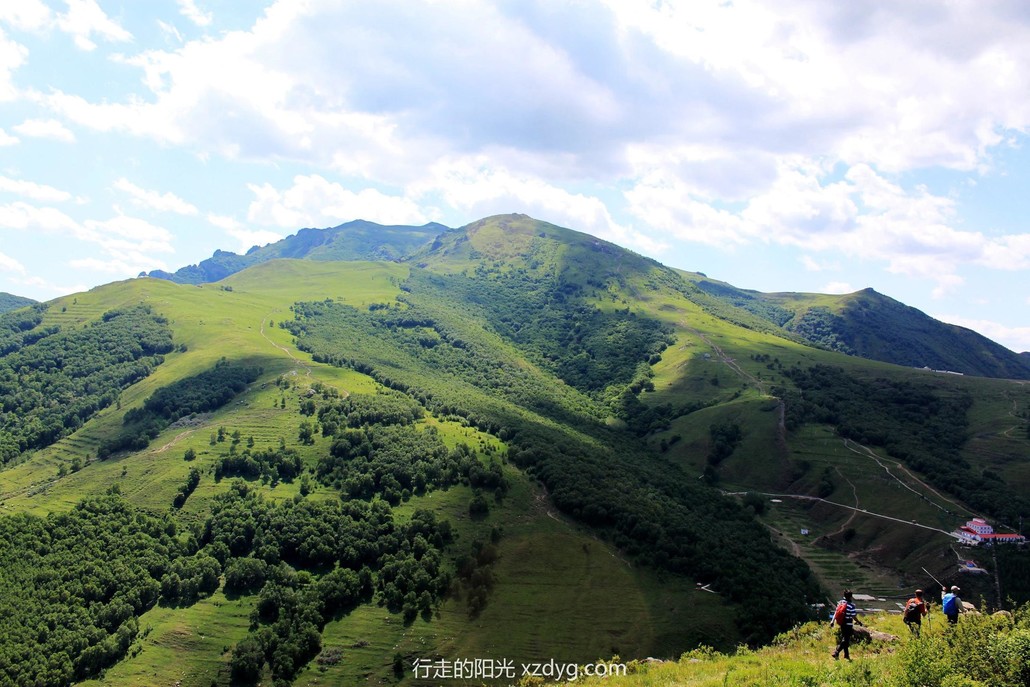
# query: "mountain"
{"type": "Point", "coordinates": [520, 441]}
{"type": "Point", "coordinates": [9, 302]}
{"type": "Point", "coordinates": [874, 326]}
{"type": "Point", "coordinates": [865, 324]}
{"type": "Point", "coordinates": [357, 240]}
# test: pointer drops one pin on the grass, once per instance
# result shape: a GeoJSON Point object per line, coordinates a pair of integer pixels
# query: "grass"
{"type": "Point", "coordinates": [561, 593]}
{"type": "Point", "coordinates": [971, 654]}
{"type": "Point", "coordinates": [184, 646]}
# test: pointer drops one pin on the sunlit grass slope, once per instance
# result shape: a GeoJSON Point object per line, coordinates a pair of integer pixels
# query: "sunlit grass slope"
{"type": "Point", "coordinates": [559, 590]}
{"type": "Point", "coordinates": [982, 650]}
{"type": "Point", "coordinates": [233, 319]}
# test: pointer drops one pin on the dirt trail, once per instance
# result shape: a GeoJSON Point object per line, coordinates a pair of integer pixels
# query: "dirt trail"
{"type": "Point", "coordinates": [542, 502]}
{"type": "Point", "coordinates": [841, 505]}
{"type": "Point", "coordinates": [869, 453]}
{"type": "Point", "coordinates": [854, 513]}
{"type": "Point", "coordinates": [728, 361]}
{"type": "Point", "coordinates": [1008, 432]}
{"type": "Point", "coordinates": [795, 548]}
{"type": "Point", "coordinates": [299, 363]}
{"type": "Point", "coordinates": [176, 439]}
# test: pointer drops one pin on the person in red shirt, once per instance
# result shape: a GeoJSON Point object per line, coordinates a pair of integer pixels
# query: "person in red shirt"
{"type": "Point", "coordinates": [915, 609]}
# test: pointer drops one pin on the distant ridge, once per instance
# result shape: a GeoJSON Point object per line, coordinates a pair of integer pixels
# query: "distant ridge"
{"type": "Point", "coordinates": [8, 302]}
{"type": "Point", "coordinates": [871, 325]}
{"type": "Point", "coordinates": [357, 240]}
{"type": "Point", "coordinates": [865, 324]}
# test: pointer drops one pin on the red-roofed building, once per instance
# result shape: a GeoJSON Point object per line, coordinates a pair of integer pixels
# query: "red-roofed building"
{"type": "Point", "coordinates": [977, 531]}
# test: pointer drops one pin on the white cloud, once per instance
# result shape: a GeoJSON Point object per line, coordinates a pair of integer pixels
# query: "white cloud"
{"type": "Point", "coordinates": [813, 265]}
{"type": "Point", "coordinates": [12, 56]}
{"type": "Point", "coordinates": [729, 124]}
{"type": "Point", "coordinates": [45, 128]}
{"type": "Point", "coordinates": [919, 87]}
{"type": "Point", "coordinates": [1010, 252]}
{"type": "Point", "coordinates": [222, 221]}
{"type": "Point", "coordinates": [85, 19]}
{"type": "Point", "coordinates": [124, 231]}
{"type": "Point", "coordinates": [1015, 338]}
{"type": "Point", "coordinates": [861, 214]}
{"type": "Point", "coordinates": [838, 287]}
{"type": "Point", "coordinates": [127, 242]}
{"type": "Point", "coordinates": [899, 88]}
{"type": "Point", "coordinates": [50, 288]}
{"type": "Point", "coordinates": [9, 264]}
{"type": "Point", "coordinates": [22, 216]}
{"type": "Point", "coordinates": [132, 266]}
{"type": "Point", "coordinates": [189, 9]}
{"type": "Point", "coordinates": [247, 237]}
{"type": "Point", "coordinates": [477, 189]}
{"type": "Point", "coordinates": [33, 191]}
{"type": "Point", "coordinates": [669, 205]}
{"type": "Point", "coordinates": [313, 201]}
{"type": "Point", "coordinates": [27, 15]}
{"type": "Point", "coordinates": [170, 31]}
{"type": "Point", "coordinates": [154, 200]}
{"type": "Point", "coordinates": [6, 139]}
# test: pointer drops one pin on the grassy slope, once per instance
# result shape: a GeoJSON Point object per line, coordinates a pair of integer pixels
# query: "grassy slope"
{"type": "Point", "coordinates": [550, 574]}
{"type": "Point", "coordinates": [563, 577]}
{"type": "Point", "coordinates": [874, 500]}
{"type": "Point", "coordinates": [715, 361]}
{"type": "Point", "coordinates": [801, 657]}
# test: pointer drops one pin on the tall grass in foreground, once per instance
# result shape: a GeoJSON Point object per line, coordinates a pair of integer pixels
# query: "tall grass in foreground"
{"type": "Point", "coordinates": [981, 651]}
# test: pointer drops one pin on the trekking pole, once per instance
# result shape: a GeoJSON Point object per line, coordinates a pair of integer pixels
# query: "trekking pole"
{"type": "Point", "coordinates": [929, 616]}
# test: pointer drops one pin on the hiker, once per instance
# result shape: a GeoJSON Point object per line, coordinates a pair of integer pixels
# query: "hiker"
{"type": "Point", "coordinates": [845, 617]}
{"type": "Point", "coordinates": [915, 609]}
{"type": "Point", "coordinates": [951, 604]}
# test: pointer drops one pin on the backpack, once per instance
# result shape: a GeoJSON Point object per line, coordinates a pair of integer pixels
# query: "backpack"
{"type": "Point", "coordinates": [912, 611]}
{"type": "Point", "coordinates": [950, 604]}
{"type": "Point", "coordinates": [841, 613]}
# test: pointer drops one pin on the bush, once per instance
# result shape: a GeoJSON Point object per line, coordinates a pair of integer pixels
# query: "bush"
{"type": "Point", "coordinates": [245, 575]}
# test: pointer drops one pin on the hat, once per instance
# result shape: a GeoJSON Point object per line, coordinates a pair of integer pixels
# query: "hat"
{"type": "Point", "coordinates": [955, 589]}
{"type": "Point", "coordinates": [919, 592]}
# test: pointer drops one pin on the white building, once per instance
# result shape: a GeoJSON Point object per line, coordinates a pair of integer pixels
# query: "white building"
{"type": "Point", "coordinates": [977, 531]}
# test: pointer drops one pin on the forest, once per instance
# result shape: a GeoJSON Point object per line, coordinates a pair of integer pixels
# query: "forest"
{"type": "Point", "coordinates": [200, 393]}
{"type": "Point", "coordinates": [916, 423]}
{"type": "Point", "coordinates": [53, 381]}
{"type": "Point", "coordinates": [601, 477]}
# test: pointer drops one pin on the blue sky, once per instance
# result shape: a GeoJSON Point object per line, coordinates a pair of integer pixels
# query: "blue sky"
{"type": "Point", "coordinates": [819, 146]}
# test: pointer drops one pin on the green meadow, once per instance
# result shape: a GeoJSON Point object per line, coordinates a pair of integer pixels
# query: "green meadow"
{"type": "Point", "coordinates": [588, 549]}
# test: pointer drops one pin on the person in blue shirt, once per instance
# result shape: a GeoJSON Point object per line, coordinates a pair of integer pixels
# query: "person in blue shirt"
{"type": "Point", "coordinates": [951, 604]}
{"type": "Point", "coordinates": [847, 626]}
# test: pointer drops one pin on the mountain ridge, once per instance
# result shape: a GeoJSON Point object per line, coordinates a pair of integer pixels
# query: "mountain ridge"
{"type": "Point", "coordinates": [9, 301]}
{"type": "Point", "coordinates": [864, 323]}
{"type": "Point", "coordinates": [355, 240]}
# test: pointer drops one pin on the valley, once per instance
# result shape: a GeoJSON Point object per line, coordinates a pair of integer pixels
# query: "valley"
{"type": "Point", "coordinates": [621, 460]}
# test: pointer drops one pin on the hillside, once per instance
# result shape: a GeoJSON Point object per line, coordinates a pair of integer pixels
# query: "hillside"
{"type": "Point", "coordinates": [870, 325]}
{"type": "Point", "coordinates": [357, 240]}
{"type": "Point", "coordinates": [9, 302]}
{"type": "Point", "coordinates": [864, 324]}
{"type": "Point", "coordinates": [522, 441]}
{"type": "Point", "coordinates": [981, 650]}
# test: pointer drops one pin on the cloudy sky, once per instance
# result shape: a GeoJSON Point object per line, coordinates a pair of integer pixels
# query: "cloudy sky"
{"type": "Point", "coordinates": [815, 147]}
